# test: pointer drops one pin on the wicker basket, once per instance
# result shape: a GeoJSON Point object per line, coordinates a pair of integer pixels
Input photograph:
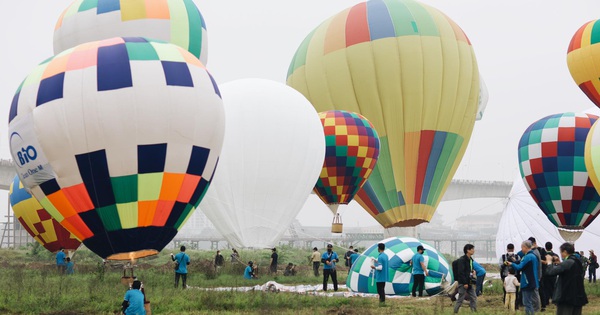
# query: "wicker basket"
{"type": "Point", "coordinates": [337, 226]}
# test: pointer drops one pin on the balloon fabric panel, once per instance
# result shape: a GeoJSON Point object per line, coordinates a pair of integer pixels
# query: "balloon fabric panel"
{"type": "Point", "coordinates": [128, 177]}
{"type": "Point", "coordinates": [178, 22]}
{"type": "Point", "coordinates": [38, 222]}
{"type": "Point", "coordinates": [422, 102]}
{"type": "Point", "coordinates": [352, 148]}
{"type": "Point", "coordinates": [583, 59]}
{"type": "Point", "coordinates": [551, 161]}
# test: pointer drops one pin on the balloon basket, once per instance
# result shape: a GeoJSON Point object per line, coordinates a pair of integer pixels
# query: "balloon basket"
{"type": "Point", "coordinates": [147, 308]}
{"type": "Point", "coordinates": [337, 227]}
{"type": "Point", "coordinates": [128, 281]}
{"type": "Point", "coordinates": [570, 235]}
{"type": "Point", "coordinates": [128, 277]}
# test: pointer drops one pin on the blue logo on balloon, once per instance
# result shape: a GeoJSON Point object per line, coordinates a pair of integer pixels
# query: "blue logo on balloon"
{"type": "Point", "coordinates": [27, 154]}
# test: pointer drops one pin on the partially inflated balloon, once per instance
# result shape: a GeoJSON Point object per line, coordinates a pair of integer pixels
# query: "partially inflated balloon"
{"type": "Point", "coordinates": [551, 160]}
{"type": "Point", "coordinates": [352, 148]}
{"type": "Point", "coordinates": [118, 140]}
{"type": "Point", "coordinates": [410, 70]}
{"type": "Point", "coordinates": [400, 251]}
{"type": "Point", "coordinates": [38, 222]}
{"type": "Point", "coordinates": [272, 155]}
{"type": "Point", "coordinates": [176, 21]}
{"type": "Point", "coordinates": [583, 59]}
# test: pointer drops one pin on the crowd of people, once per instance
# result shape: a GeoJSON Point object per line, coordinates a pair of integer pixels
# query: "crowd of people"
{"type": "Point", "coordinates": [536, 276]}
{"type": "Point", "coordinates": [532, 277]}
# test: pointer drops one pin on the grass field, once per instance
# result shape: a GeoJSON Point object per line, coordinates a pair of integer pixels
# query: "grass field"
{"type": "Point", "coordinates": [29, 284]}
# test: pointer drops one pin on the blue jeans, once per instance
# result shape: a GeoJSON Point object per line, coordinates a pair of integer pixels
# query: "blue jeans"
{"type": "Point", "coordinates": [529, 297]}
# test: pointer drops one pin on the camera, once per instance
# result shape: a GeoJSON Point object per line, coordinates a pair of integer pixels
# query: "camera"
{"type": "Point", "coordinates": [472, 279]}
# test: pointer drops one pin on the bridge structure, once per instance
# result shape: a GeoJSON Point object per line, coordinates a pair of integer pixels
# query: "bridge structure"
{"type": "Point", "coordinates": [458, 189]}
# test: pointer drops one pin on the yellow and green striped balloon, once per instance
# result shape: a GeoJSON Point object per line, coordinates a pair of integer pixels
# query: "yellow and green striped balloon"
{"type": "Point", "coordinates": [412, 72]}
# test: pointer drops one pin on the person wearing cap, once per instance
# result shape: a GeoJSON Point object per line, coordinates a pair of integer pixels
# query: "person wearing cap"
{"type": "Point", "coordinates": [381, 272]}
{"type": "Point", "coordinates": [419, 271]}
{"type": "Point", "coordinates": [249, 271]}
{"type": "Point", "coordinates": [329, 258]}
{"type": "Point", "coordinates": [133, 302]}
{"type": "Point", "coordinates": [315, 258]}
{"type": "Point", "coordinates": [273, 264]}
{"type": "Point", "coordinates": [593, 265]}
{"type": "Point", "coordinates": [182, 261]}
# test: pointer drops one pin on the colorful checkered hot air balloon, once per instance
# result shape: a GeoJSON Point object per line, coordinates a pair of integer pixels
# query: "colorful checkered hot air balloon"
{"type": "Point", "coordinates": [38, 222]}
{"type": "Point", "coordinates": [400, 251]}
{"type": "Point", "coordinates": [551, 160]}
{"type": "Point", "coordinates": [412, 72]}
{"type": "Point", "coordinates": [352, 148]}
{"type": "Point", "coordinates": [176, 21]}
{"type": "Point", "coordinates": [118, 140]}
{"type": "Point", "coordinates": [583, 59]}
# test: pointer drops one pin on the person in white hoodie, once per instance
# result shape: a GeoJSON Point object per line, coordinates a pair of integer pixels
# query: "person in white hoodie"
{"type": "Point", "coordinates": [510, 286]}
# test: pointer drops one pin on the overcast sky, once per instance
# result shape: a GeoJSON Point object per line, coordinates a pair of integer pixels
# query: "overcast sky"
{"type": "Point", "coordinates": [520, 46]}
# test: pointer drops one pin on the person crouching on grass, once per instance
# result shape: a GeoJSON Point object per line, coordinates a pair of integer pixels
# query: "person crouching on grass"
{"type": "Point", "coordinates": [133, 302]}
{"type": "Point", "coordinates": [249, 272]}
{"type": "Point", "coordinates": [381, 272]}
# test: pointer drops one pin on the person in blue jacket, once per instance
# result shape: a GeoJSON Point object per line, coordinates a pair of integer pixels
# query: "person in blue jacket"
{"type": "Point", "coordinates": [354, 257]}
{"type": "Point", "coordinates": [329, 258]}
{"type": "Point", "coordinates": [133, 302]}
{"type": "Point", "coordinates": [480, 273]}
{"type": "Point", "coordinates": [529, 276]}
{"type": "Point", "coordinates": [249, 271]}
{"type": "Point", "coordinates": [61, 263]}
{"type": "Point", "coordinates": [183, 260]}
{"type": "Point", "coordinates": [381, 272]}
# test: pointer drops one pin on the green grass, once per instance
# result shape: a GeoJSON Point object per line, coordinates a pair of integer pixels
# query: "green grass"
{"type": "Point", "coordinates": [29, 284]}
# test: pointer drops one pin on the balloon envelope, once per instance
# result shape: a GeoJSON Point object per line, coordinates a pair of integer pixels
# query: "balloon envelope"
{"type": "Point", "coordinates": [412, 72]}
{"type": "Point", "coordinates": [352, 148]}
{"type": "Point", "coordinates": [118, 140]}
{"type": "Point", "coordinates": [272, 155]}
{"type": "Point", "coordinates": [175, 21]}
{"type": "Point", "coordinates": [400, 251]}
{"type": "Point", "coordinates": [38, 222]}
{"type": "Point", "coordinates": [551, 161]}
{"type": "Point", "coordinates": [583, 59]}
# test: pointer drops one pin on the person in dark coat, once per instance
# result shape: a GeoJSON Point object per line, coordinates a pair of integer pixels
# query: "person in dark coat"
{"type": "Point", "coordinates": [466, 279]}
{"type": "Point", "coordinates": [569, 292]}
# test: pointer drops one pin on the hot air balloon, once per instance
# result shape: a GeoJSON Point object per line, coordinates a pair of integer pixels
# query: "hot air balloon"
{"type": "Point", "coordinates": [551, 161]}
{"type": "Point", "coordinates": [352, 148]}
{"type": "Point", "coordinates": [272, 156]}
{"type": "Point", "coordinates": [583, 59]}
{"type": "Point", "coordinates": [118, 140]}
{"type": "Point", "coordinates": [412, 71]}
{"type": "Point", "coordinates": [38, 222]}
{"type": "Point", "coordinates": [400, 251]}
{"type": "Point", "coordinates": [176, 21]}
{"type": "Point", "coordinates": [484, 96]}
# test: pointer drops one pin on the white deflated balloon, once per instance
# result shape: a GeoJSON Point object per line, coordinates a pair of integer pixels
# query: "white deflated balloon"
{"type": "Point", "coordinates": [271, 159]}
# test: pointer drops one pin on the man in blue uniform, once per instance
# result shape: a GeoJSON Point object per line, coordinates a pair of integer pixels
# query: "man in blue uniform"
{"type": "Point", "coordinates": [419, 271]}
{"type": "Point", "coordinates": [381, 272]}
{"type": "Point", "coordinates": [183, 260]}
{"type": "Point", "coordinates": [329, 258]}
{"type": "Point", "coordinates": [61, 263]}
{"type": "Point", "coordinates": [133, 302]}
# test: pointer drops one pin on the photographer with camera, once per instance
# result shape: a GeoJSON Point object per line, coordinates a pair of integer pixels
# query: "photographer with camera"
{"type": "Point", "coordinates": [509, 256]}
{"type": "Point", "coordinates": [529, 276]}
{"type": "Point", "coordinates": [466, 278]}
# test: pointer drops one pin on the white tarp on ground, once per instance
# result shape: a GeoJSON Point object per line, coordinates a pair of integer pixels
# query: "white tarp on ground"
{"type": "Point", "coordinates": [272, 286]}
{"type": "Point", "coordinates": [522, 218]}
